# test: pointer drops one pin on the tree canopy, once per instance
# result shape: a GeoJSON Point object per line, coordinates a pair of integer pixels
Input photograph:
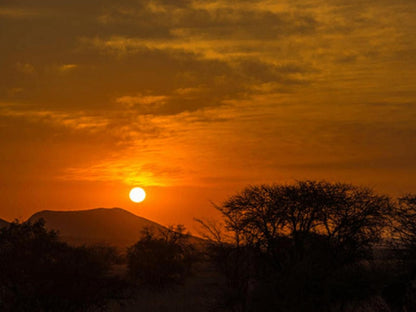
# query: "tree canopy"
{"type": "Point", "coordinates": [349, 218]}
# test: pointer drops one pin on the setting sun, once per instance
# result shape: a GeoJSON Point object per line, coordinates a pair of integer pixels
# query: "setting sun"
{"type": "Point", "coordinates": [137, 194]}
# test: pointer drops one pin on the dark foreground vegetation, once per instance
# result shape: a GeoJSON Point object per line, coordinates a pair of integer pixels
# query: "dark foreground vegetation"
{"type": "Point", "coordinates": [309, 246]}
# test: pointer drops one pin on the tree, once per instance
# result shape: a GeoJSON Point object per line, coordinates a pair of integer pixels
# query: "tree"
{"type": "Point", "coordinates": [41, 273]}
{"type": "Point", "coordinates": [406, 222]}
{"type": "Point", "coordinates": [161, 260]}
{"type": "Point", "coordinates": [350, 218]}
{"type": "Point", "coordinates": [293, 243]}
{"type": "Point", "coordinates": [400, 292]}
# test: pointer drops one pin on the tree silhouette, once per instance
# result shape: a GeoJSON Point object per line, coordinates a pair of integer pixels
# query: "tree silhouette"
{"type": "Point", "coordinates": [161, 260]}
{"type": "Point", "coordinates": [400, 292]}
{"type": "Point", "coordinates": [348, 217]}
{"type": "Point", "coordinates": [295, 241]}
{"type": "Point", "coordinates": [40, 273]}
{"type": "Point", "coordinates": [406, 223]}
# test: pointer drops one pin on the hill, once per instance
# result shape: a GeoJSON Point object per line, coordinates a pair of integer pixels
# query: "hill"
{"type": "Point", "coordinates": [113, 226]}
{"type": "Point", "coordinates": [3, 223]}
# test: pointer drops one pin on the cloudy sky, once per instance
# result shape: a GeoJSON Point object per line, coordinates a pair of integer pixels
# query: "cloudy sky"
{"type": "Point", "coordinates": [193, 100]}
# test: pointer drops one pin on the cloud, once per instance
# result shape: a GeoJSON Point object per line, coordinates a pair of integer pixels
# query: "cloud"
{"type": "Point", "coordinates": [129, 170]}
{"type": "Point", "coordinates": [18, 13]}
{"type": "Point", "coordinates": [75, 121]}
{"type": "Point", "coordinates": [25, 68]}
{"type": "Point", "coordinates": [67, 67]}
{"type": "Point", "coordinates": [142, 101]}
{"type": "Point", "coordinates": [242, 90]}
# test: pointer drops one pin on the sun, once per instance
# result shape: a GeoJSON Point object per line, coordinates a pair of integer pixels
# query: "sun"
{"type": "Point", "coordinates": [137, 194]}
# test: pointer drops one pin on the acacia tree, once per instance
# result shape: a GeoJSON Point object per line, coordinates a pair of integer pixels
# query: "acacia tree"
{"type": "Point", "coordinates": [354, 220]}
{"type": "Point", "coordinates": [349, 218]}
{"type": "Point", "coordinates": [400, 292]}
{"type": "Point", "coordinates": [289, 237]}
{"type": "Point", "coordinates": [405, 218]}
{"type": "Point", "coordinates": [291, 243]}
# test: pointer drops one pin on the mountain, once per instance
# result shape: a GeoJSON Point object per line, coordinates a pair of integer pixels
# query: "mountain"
{"type": "Point", "coordinates": [3, 223]}
{"type": "Point", "coordinates": [112, 226]}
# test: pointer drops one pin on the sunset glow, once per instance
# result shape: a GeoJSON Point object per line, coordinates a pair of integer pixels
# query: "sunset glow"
{"type": "Point", "coordinates": [194, 100]}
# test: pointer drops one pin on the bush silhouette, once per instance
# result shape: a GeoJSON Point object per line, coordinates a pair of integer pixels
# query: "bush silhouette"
{"type": "Point", "coordinates": [40, 273]}
{"type": "Point", "coordinates": [158, 261]}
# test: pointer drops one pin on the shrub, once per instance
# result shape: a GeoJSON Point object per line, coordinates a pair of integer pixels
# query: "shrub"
{"type": "Point", "coordinates": [160, 261]}
{"type": "Point", "coordinates": [40, 273]}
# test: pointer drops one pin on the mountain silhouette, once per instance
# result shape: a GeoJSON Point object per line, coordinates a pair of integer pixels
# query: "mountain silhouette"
{"type": "Point", "coordinates": [112, 226]}
{"type": "Point", "coordinates": [3, 223]}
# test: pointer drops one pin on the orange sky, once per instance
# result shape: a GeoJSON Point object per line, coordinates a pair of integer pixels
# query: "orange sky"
{"type": "Point", "coordinates": [193, 100]}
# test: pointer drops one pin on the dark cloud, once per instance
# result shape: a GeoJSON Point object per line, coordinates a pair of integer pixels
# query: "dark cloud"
{"type": "Point", "coordinates": [246, 24]}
